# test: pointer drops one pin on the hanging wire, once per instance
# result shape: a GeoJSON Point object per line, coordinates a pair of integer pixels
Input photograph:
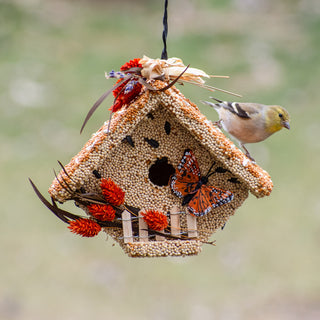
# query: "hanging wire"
{"type": "Point", "coordinates": [164, 54]}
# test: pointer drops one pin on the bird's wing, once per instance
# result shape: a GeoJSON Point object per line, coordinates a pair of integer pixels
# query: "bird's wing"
{"type": "Point", "coordinates": [240, 109]}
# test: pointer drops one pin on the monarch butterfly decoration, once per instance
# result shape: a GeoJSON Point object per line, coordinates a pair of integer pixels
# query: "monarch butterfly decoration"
{"type": "Point", "coordinates": [187, 183]}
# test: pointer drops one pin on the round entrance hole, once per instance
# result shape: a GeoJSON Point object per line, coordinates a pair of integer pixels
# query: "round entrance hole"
{"type": "Point", "coordinates": [160, 172]}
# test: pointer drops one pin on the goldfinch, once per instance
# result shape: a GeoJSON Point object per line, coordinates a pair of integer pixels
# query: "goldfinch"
{"type": "Point", "coordinates": [249, 122]}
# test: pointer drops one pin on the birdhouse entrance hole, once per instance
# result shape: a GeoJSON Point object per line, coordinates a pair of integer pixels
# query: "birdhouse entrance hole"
{"type": "Point", "coordinates": [160, 172]}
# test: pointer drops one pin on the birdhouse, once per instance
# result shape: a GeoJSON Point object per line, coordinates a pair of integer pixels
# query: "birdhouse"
{"type": "Point", "coordinates": [139, 158]}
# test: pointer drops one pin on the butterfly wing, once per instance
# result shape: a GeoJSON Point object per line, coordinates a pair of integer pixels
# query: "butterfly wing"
{"type": "Point", "coordinates": [207, 198]}
{"type": "Point", "coordinates": [187, 175]}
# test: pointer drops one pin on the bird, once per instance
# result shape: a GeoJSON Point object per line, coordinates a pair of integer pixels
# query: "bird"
{"type": "Point", "coordinates": [249, 122]}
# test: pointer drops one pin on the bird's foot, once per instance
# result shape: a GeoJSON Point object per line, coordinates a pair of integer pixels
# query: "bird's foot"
{"type": "Point", "coordinates": [217, 123]}
{"type": "Point", "coordinates": [247, 153]}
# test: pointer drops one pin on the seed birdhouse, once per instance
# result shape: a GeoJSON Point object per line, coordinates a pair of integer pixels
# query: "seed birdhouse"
{"type": "Point", "coordinates": [160, 178]}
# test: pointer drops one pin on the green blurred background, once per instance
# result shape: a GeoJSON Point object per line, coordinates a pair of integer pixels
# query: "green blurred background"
{"type": "Point", "coordinates": [53, 55]}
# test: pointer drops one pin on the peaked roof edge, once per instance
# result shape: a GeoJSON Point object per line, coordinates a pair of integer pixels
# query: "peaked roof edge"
{"type": "Point", "coordinates": [188, 114]}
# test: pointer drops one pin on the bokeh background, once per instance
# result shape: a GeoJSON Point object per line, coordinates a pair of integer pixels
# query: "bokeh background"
{"type": "Point", "coordinates": [53, 55]}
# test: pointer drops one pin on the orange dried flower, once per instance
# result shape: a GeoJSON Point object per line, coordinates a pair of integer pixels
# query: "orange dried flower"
{"type": "Point", "coordinates": [155, 220]}
{"type": "Point", "coordinates": [84, 227]}
{"type": "Point", "coordinates": [102, 212]}
{"type": "Point", "coordinates": [112, 192]}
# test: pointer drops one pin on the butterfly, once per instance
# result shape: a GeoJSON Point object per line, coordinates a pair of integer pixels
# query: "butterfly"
{"type": "Point", "coordinates": [187, 183]}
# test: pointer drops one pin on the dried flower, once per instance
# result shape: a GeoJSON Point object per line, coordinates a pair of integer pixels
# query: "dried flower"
{"type": "Point", "coordinates": [173, 68]}
{"type": "Point", "coordinates": [112, 192]}
{"type": "Point", "coordinates": [170, 69]}
{"type": "Point", "coordinates": [126, 96]}
{"type": "Point", "coordinates": [84, 227]}
{"type": "Point", "coordinates": [155, 220]}
{"type": "Point", "coordinates": [114, 74]}
{"type": "Point", "coordinates": [129, 89]}
{"type": "Point", "coordinates": [130, 86]}
{"type": "Point", "coordinates": [134, 63]}
{"type": "Point", "coordinates": [102, 212]}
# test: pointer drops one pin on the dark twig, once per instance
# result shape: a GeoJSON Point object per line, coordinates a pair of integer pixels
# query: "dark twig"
{"type": "Point", "coordinates": [100, 100]}
{"type": "Point", "coordinates": [175, 80]}
{"type": "Point", "coordinates": [61, 214]}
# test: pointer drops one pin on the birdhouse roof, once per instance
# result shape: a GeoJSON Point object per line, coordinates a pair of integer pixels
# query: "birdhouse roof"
{"type": "Point", "coordinates": [124, 121]}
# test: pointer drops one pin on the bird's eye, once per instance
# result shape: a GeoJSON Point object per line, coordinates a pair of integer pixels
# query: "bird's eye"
{"type": "Point", "coordinates": [280, 115]}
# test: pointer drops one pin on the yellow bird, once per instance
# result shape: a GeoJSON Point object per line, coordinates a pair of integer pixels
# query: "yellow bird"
{"type": "Point", "coordinates": [249, 122]}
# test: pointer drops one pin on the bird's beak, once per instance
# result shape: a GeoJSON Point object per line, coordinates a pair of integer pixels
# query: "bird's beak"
{"type": "Point", "coordinates": [286, 125]}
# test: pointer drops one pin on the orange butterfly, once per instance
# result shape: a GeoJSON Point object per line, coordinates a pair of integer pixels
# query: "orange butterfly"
{"type": "Point", "coordinates": [187, 183]}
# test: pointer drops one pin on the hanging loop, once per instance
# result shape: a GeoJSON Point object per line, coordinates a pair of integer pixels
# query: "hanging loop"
{"type": "Point", "coordinates": [164, 54]}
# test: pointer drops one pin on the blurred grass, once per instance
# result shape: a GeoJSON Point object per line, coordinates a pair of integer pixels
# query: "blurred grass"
{"type": "Point", "coordinates": [52, 59]}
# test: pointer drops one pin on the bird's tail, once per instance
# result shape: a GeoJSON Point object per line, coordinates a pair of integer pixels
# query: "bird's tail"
{"type": "Point", "coordinates": [220, 101]}
{"type": "Point", "coordinates": [211, 104]}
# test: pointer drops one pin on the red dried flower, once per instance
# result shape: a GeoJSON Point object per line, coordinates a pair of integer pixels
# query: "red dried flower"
{"type": "Point", "coordinates": [102, 212]}
{"type": "Point", "coordinates": [155, 220]}
{"type": "Point", "coordinates": [125, 98]}
{"type": "Point", "coordinates": [134, 63]}
{"type": "Point", "coordinates": [129, 89]}
{"type": "Point", "coordinates": [84, 227]}
{"type": "Point", "coordinates": [112, 192]}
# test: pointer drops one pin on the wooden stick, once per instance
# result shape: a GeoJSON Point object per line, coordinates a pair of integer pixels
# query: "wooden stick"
{"type": "Point", "coordinates": [192, 225]}
{"type": "Point", "coordinates": [175, 221]}
{"type": "Point", "coordinates": [127, 227]}
{"type": "Point", "coordinates": [160, 238]}
{"type": "Point", "coordinates": [143, 229]}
